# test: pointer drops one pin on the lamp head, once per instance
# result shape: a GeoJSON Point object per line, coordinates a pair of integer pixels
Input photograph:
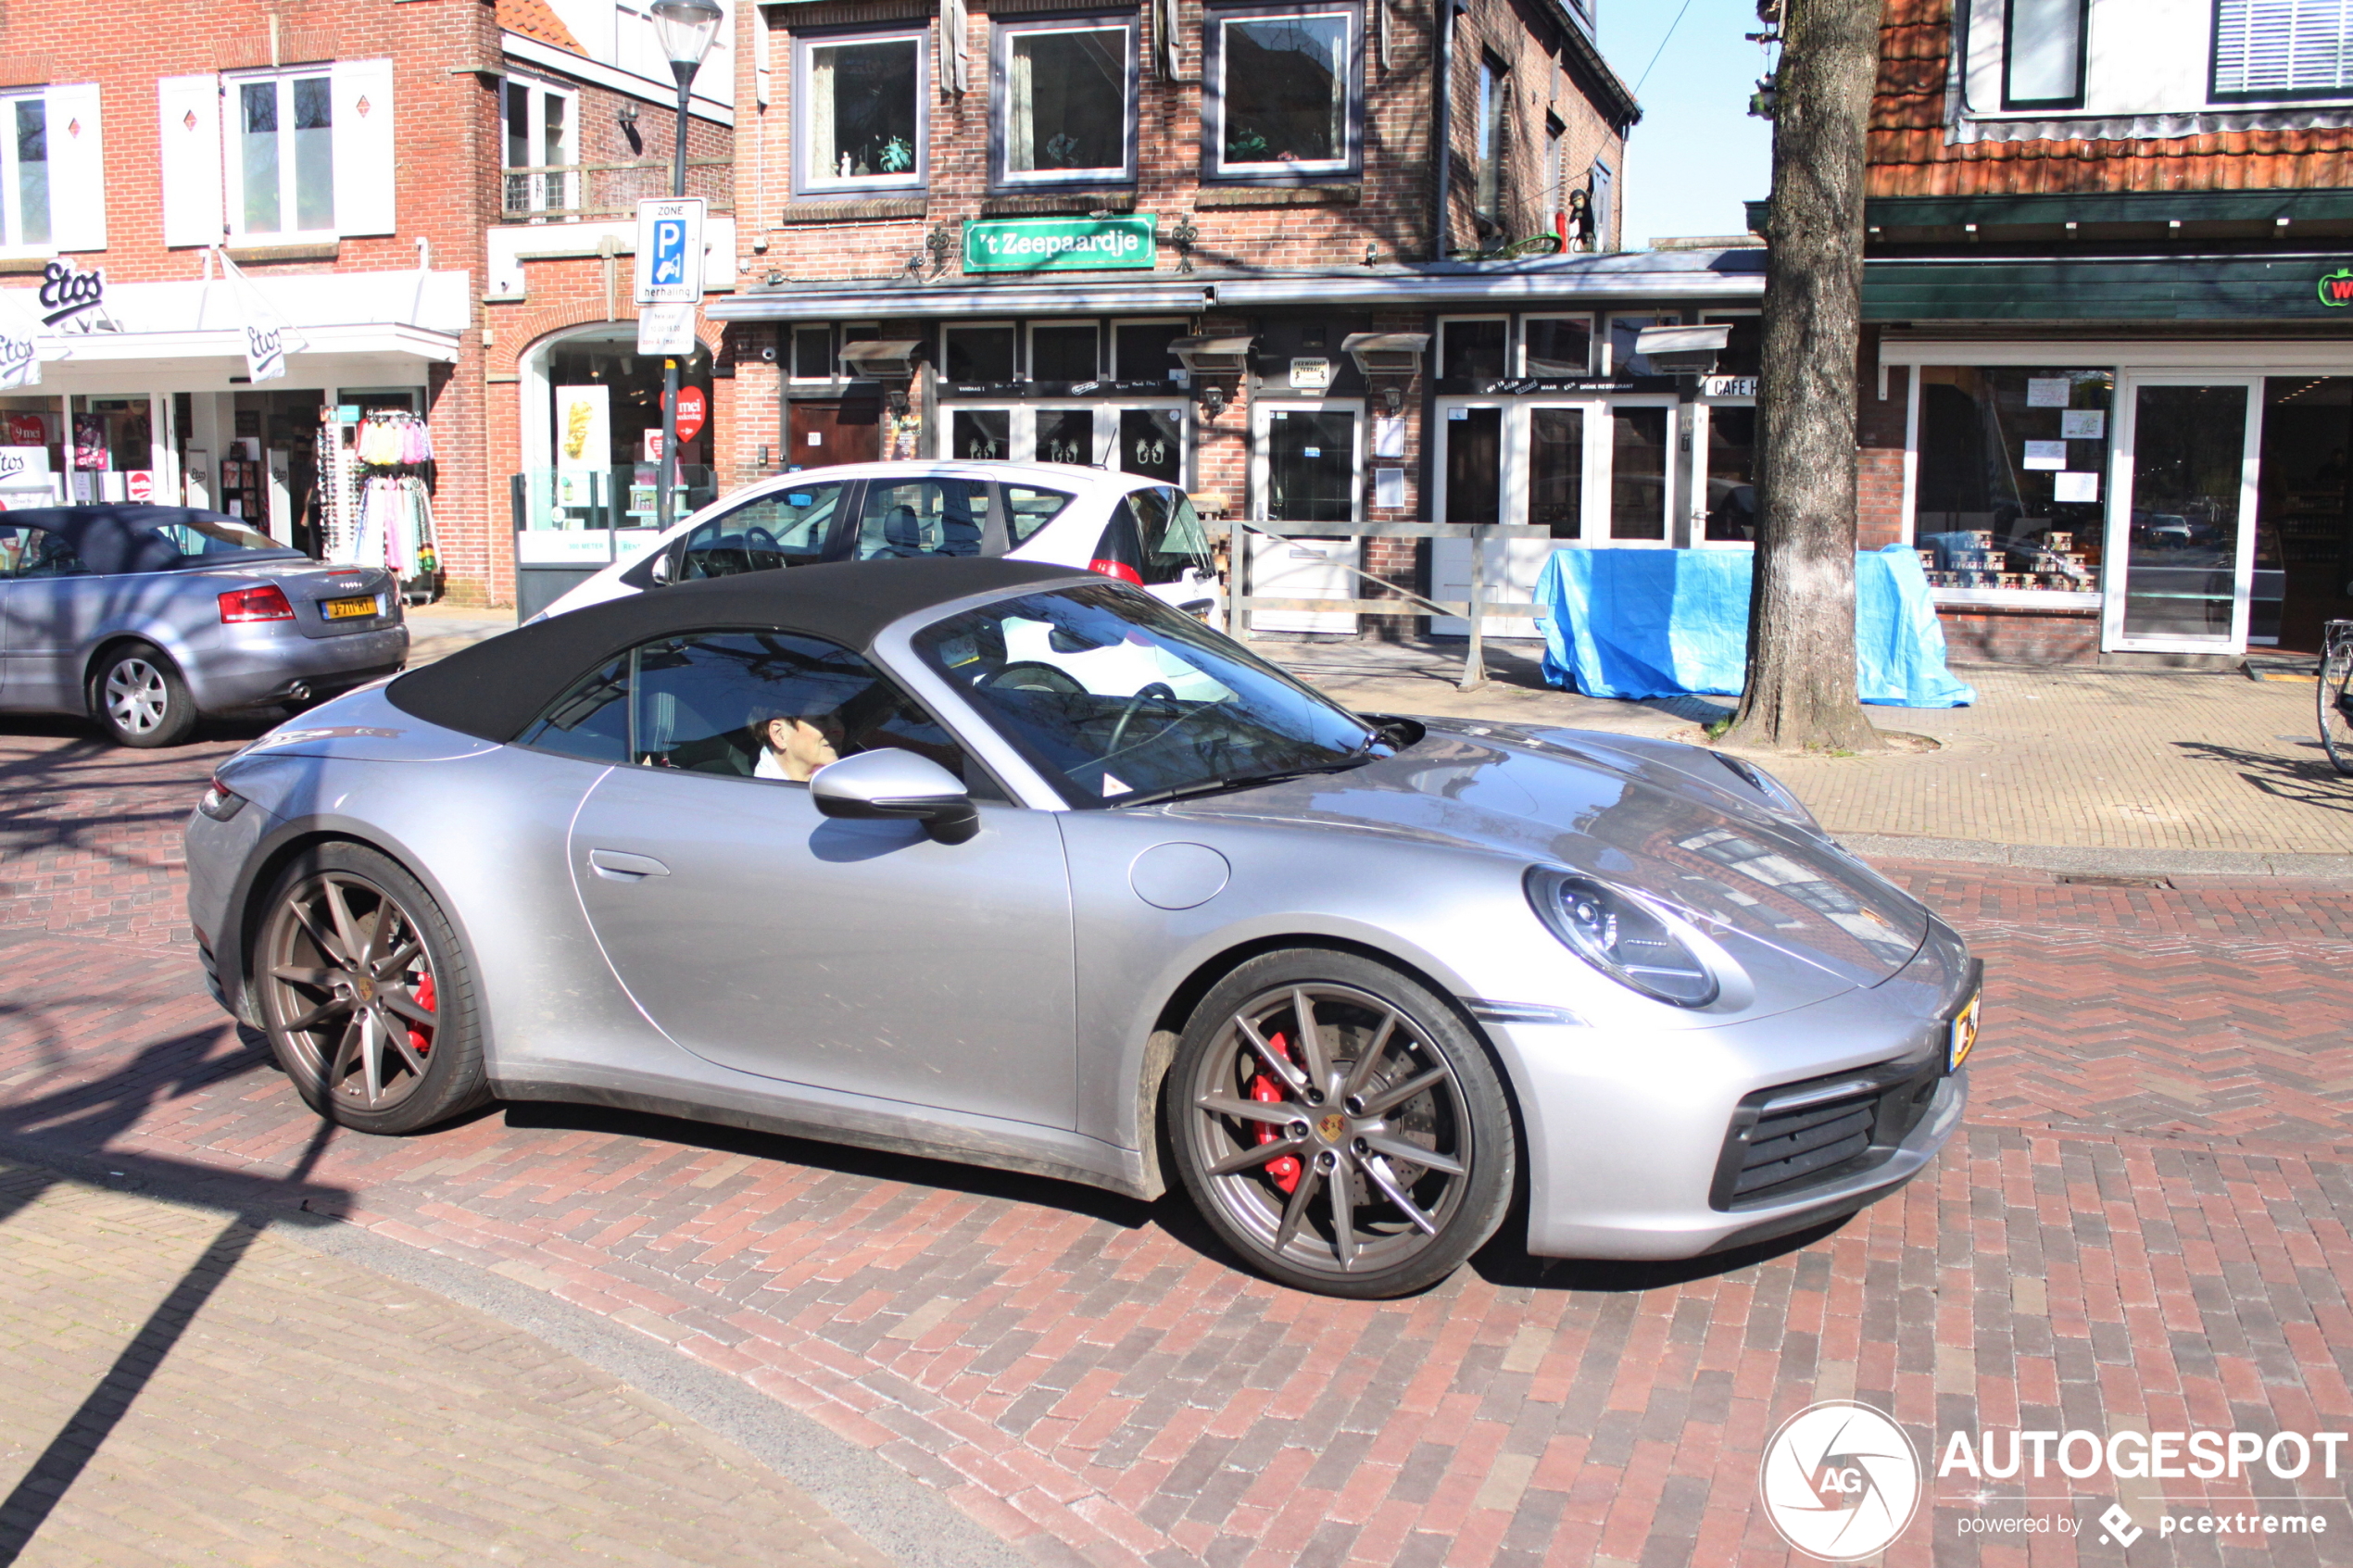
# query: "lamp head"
{"type": "Point", "coordinates": [685, 29]}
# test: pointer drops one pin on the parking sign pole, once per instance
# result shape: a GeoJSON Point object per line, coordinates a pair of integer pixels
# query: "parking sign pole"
{"type": "Point", "coordinates": [665, 505]}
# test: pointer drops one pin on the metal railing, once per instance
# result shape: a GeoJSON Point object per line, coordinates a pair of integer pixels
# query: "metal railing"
{"type": "Point", "coordinates": [607, 189]}
{"type": "Point", "coordinates": [1238, 601]}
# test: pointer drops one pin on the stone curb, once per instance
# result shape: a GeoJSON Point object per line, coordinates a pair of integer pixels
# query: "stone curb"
{"type": "Point", "coordinates": [2063, 858]}
{"type": "Point", "coordinates": [895, 1513]}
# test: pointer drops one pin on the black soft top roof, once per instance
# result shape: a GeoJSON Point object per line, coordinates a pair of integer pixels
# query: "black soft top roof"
{"type": "Point", "coordinates": [496, 688]}
{"type": "Point", "coordinates": [121, 536]}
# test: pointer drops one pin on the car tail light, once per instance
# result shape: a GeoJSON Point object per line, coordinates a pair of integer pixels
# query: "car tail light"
{"type": "Point", "coordinates": [265, 602]}
{"type": "Point", "coordinates": [1118, 569]}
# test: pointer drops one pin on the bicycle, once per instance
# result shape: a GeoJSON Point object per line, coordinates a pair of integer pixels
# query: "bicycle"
{"type": "Point", "coordinates": [2334, 701]}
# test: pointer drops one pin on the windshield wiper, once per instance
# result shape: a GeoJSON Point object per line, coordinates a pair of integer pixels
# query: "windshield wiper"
{"type": "Point", "coordinates": [1238, 780]}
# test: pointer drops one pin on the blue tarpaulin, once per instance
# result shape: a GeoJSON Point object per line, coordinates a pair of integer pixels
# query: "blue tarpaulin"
{"type": "Point", "coordinates": [1641, 623]}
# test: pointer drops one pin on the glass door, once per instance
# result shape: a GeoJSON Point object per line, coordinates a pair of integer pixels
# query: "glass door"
{"type": "Point", "coordinates": [2180, 544]}
{"type": "Point", "coordinates": [1309, 455]}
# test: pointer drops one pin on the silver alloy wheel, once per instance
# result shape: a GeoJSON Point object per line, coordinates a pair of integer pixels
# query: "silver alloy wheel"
{"type": "Point", "coordinates": [1365, 1107]}
{"type": "Point", "coordinates": [349, 984]}
{"type": "Point", "coordinates": [136, 696]}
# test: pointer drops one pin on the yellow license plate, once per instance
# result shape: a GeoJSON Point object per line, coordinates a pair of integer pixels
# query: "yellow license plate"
{"type": "Point", "coordinates": [345, 609]}
{"type": "Point", "coordinates": [1964, 1038]}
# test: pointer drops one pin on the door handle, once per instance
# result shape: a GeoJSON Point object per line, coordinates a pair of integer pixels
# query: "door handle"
{"type": "Point", "coordinates": [616, 865]}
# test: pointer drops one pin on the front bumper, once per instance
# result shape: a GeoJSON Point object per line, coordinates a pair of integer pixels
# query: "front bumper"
{"type": "Point", "coordinates": [1680, 1145]}
{"type": "Point", "coordinates": [259, 667]}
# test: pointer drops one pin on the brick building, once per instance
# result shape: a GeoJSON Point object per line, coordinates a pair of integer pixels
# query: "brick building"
{"type": "Point", "coordinates": [349, 161]}
{"type": "Point", "coordinates": [1145, 235]}
{"type": "Point", "coordinates": [2106, 309]}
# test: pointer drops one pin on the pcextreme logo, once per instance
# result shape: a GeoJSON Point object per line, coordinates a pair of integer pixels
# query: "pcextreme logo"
{"type": "Point", "coordinates": [1840, 1480]}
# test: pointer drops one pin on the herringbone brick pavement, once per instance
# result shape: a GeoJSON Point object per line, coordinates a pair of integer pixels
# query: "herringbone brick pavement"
{"type": "Point", "coordinates": [2146, 1225]}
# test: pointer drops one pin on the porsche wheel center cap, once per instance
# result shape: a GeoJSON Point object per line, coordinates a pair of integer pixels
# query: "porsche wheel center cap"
{"type": "Point", "coordinates": [364, 987]}
{"type": "Point", "coordinates": [1332, 1128]}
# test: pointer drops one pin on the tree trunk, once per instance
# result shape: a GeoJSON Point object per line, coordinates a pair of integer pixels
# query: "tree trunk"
{"type": "Point", "coordinates": [1801, 693]}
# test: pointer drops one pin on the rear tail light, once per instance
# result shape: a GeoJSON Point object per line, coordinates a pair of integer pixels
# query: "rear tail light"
{"type": "Point", "coordinates": [1118, 569]}
{"type": "Point", "coordinates": [265, 602]}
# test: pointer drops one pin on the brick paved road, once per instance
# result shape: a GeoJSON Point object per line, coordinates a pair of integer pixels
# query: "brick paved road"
{"type": "Point", "coordinates": [2145, 1225]}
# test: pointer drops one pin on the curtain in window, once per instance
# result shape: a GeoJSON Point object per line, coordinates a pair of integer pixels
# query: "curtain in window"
{"type": "Point", "coordinates": [33, 172]}
{"type": "Point", "coordinates": [1021, 114]}
{"type": "Point", "coordinates": [825, 156]}
{"type": "Point", "coordinates": [258, 102]}
{"type": "Point", "coordinates": [2265, 48]}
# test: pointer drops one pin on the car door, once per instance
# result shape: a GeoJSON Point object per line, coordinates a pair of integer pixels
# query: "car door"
{"type": "Point", "coordinates": [859, 957]}
{"type": "Point", "coordinates": [49, 601]}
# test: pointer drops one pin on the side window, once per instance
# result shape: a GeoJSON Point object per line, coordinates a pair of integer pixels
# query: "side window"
{"type": "Point", "coordinates": [591, 721]}
{"type": "Point", "coordinates": [771, 705]}
{"type": "Point", "coordinates": [784, 528]}
{"type": "Point", "coordinates": [1028, 509]}
{"type": "Point", "coordinates": [26, 551]}
{"type": "Point", "coordinates": [922, 517]}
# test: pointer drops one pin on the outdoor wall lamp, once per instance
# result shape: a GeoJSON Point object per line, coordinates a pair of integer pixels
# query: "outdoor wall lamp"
{"type": "Point", "coordinates": [1213, 399]}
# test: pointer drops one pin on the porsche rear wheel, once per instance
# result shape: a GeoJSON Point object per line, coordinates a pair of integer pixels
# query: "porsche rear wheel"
{"type": "Point", "coordinates": [367, 994]}
{"type": "Point", "coordinates": [1339, 1126]}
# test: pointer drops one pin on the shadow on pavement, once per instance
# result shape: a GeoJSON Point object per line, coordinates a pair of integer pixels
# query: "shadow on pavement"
{"type": "Point", "coordinates": [2307, 781]}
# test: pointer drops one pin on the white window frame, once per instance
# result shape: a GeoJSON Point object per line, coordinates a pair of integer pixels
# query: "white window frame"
{"type": "Point", "coordinates": [1702, 427]}
{"type": "Point", "coordinates": [818, 182]}
{"type": "Point", "coordinates": [539, 93]}
{"type": "Point", "coordinates": [1593, 338]}
{"type": "Point", "coordinates": [1175, 375]}
{"type": "Point", "coordinates": [1212, 134]}
{"type": "Point", "coordinates": [233, 164]}
{"type": "Point", "coordinates": [12, 240]}
{"type": "Point", "coordinates": [1511, 342]}
{"type": "Point", "coordinates": [1494, 138]}
{"type": "Point", "coordinates": [1607, 330]}
{"type": "Point", "coordinates": [1030, 344]}
{"type": "Point", "coordinates": [1010, 326]}
{"type": "Point", "coordinates": [1261, 413]}
{"type": "Point", "coordinates": [2116, 586]}
{"type": "Point", "coordinates": [1001, 131]}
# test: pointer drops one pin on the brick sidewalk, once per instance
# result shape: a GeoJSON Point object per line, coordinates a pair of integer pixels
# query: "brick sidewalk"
{"type": "Point", "coordinates": [2146, 1223]}
{"type": "Point", "coordinates": [280, 1406]}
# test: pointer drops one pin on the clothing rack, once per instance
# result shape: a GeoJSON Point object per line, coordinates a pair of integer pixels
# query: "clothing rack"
{"type": "Point", "coordinates": [392, 476]}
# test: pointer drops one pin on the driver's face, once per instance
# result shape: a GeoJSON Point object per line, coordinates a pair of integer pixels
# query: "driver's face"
{"type": "Point", "coordinates": [805, 744]}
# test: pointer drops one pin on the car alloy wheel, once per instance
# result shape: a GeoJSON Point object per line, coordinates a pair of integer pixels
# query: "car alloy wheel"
{"type": "Point", "coordinates": [135, 697]}
{"type": "Point", "coordinates": [1344, 1141]}
{"type": "Point", "coordinates": [351, 987]}
{"type": "Point", "coordinates": [142, 698]}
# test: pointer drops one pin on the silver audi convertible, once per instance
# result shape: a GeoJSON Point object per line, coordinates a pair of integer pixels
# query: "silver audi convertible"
{"type": "Point", "coordinates": [1002, 863]}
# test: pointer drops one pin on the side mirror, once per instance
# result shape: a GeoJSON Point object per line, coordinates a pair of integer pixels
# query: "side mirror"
{"type": "Point", "coordinates": [660, 575]}
{"type": "Point", "coordinates": [890, 783]}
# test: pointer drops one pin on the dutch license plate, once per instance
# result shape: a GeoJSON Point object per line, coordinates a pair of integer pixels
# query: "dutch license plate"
{"type": "Point", "coordinates": [1964, 1037]}
{"type": "Point", "coordinates": [345, 610]}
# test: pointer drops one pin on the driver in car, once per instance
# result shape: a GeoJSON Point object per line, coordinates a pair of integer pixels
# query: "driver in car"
{"type": "Point", "coordinates": [794, 746]}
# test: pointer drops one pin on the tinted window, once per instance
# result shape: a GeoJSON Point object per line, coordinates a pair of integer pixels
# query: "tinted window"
{"type": "Point", "coordinates": [591, 721]}
{"type": "Point", "coordinates": [787, 527]}
{"type": "Point", "coordinates": [921, 516]}
{"type": "Point", "coordinates": [1027, 510]}
{"type": "Point", "coordinates": [36, 552]}
{"type": "Point", "coordinates": [1121, 699]}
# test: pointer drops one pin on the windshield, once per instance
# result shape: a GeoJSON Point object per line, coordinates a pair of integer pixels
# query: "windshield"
{"type": "Point", "coordinates": [1119, 699]}
{"type": "Point", "coordinates": [211, 538]}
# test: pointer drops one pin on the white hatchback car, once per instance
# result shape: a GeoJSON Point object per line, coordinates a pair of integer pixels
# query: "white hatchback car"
{"type": "Point", "coordinates": [1138, 530]}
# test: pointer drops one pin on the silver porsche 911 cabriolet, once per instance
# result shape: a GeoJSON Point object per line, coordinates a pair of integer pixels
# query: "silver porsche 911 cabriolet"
{"type": "Point", "coordinates": [1001, 863]}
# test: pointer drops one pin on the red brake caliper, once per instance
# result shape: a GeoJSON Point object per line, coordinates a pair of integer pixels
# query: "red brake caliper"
{"type": "Point", "coordinates": [1263, 1089]}
{"type": "Point", "coordinates": [418, 1041]}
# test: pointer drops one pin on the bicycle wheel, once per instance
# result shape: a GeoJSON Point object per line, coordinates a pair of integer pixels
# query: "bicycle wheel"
{"type": "Point", "coordinates": [2337, 717]}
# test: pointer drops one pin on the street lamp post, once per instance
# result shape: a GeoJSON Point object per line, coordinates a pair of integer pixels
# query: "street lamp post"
{"type": "Point", "coordinates": [685, 29]}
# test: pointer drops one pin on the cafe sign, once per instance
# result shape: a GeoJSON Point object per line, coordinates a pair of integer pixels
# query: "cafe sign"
{"type": "Point", "coordinates": [1061, 244]}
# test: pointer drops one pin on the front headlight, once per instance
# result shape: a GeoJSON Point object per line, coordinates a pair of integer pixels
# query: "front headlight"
{"type": "Point", "coordinates": [1777, 794]}
{"type": "Point", "coordinates": [1621, 936]}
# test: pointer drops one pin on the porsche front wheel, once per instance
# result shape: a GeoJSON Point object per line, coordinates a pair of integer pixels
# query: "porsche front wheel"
{"type": "Point", "coordinates": [367, 994]}
{"type": "Point", "coordinates": [1339, 1126]}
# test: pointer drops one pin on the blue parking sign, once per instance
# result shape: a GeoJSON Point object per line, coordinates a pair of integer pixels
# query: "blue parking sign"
{"type": "Point", "coordinates": [670, 251]}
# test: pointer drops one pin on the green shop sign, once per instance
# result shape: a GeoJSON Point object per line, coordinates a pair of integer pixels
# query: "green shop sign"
{"type": "Point", "coordinates": [1060, 245]}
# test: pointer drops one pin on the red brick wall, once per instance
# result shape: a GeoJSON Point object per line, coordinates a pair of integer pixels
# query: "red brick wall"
{"type": "Point", "coordinates": [1541, 88]}
{"type": "Point", "coordinates": [1977, 635]}
{"type": "Point", "coordinates": [1878, 433]}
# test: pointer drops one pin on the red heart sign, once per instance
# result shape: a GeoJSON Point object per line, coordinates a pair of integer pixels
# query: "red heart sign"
{"type": "Point", "coordinates": [692, 410]}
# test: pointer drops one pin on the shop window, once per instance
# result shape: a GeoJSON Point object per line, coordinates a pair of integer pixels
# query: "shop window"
{"type": "Point", "coordinates": [983, 435]}
{"type": "Point", "coordinates": [1067, 102]}
{"type": "Point", "coordinates": [1474, 351]}
{"type": "Point", "coordinates": [1557, 470]}
{"type": "Point", "coordinates": [1558, 346]}
{"type": "Point", "coordinates": [2273, 48]}
{"type": "Point", "coordinates": [283, 158]}
{"type": "Point", "coordinates": [1141, 352]}
{"type": "Point", "coordinates": [1732, 475]}
{"type": "Point", "coordinates": [1284, 94]}
{"type": "Point", "coordinates": [1151, 442]}
{"type": "Point", "coordinates": [1743, 353]}
{"type": "Point", "coordinates": [979, 354]}
{"type": "Point", "coordinates": [1494, 140]}
{"type": "Point", "coordinates": [1066, 435]}
{"type": "Point", "coordinates": [2015, 455]}
{"type": "Point", "coordinates": [1064, 353]}
{"type": "Point", "coordinates": [1638, 473]}
{"type": "Point", "coordinates": [24, 167]}
{"type": "Point", "coordinates": [860, 107]}
{"type": "Point", "coordinates": [1625, 331]}
{"type": "Point", "coordinates": [541, 175]}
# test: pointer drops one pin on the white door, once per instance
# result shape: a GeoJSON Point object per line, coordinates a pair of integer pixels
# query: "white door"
{"type": "Point", "coordinates": [1308, 485]}
{"type": "Point", "coordinates": [2181, 525]}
